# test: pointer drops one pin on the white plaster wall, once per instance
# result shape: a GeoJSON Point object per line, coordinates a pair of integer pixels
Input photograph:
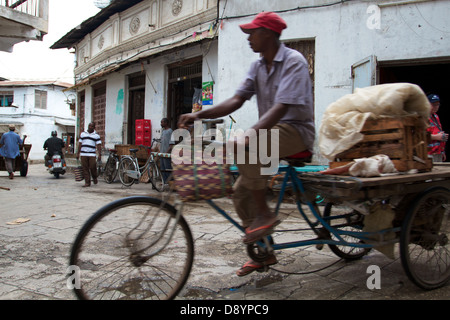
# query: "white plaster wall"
{"type": "Point", "coordinates": [344, 34]}
{"type": "Point", "coordinates": [38, 123]}
{"type": "Point", "coordinates": [115, 109]}
{"type": "Point", "coordinates": [88, 105]}
{"type": "Point", "coordinates": [156, 94]}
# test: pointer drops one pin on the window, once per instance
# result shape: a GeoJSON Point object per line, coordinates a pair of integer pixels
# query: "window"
{"type": "Point", "coordinates": [40, 99]}
{"type": "Point", "coordinates": [6, 98]}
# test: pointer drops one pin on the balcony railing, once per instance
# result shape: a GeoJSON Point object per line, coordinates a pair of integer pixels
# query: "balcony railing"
{"type": "Point", "coordinates": [31, 7]}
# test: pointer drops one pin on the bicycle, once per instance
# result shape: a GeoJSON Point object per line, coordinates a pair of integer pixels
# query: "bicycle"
{"type": "Point", "coordinates": [147, 251]}
{"type": "Point", "coordinates": [130, 172]}
{"type": "Point", "coordinates": [111, 166]}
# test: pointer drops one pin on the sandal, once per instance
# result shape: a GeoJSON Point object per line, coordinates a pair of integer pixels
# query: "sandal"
{"type": "Point", "coordinates": [251, 266]}
{"type": "Point", "coordinates": [253, 235]}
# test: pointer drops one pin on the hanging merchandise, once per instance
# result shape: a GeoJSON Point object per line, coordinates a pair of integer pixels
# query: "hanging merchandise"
{"type": "Point", "coordinates": [197, 100]}
{"type": "Point", "coordinates": [207, 93]}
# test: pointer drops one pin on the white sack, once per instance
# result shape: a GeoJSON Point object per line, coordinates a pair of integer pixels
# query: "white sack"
{"type": "Point", "coordinates": [372, 167]}
{"type": "Point", "coordinates": [344, 118]}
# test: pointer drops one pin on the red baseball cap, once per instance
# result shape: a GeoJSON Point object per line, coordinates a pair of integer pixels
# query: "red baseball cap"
{"type": "Point", "coordinates": [268, 20]}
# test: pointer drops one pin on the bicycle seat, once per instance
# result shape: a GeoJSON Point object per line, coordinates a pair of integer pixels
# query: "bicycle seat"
{"type": "Point", "coordinates": [134, 150]}
{"type": "Point", "coordinates": [299, 159]}
{"type": "Point", "coordinates": [112, 150]}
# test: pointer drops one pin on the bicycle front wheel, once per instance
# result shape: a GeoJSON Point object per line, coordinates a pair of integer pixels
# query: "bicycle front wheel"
{"type": "Point", "coordinates": [110, 172]}
{"type": "Point", "coordinates": [156, 177]}
{"type": "Point", "coordinates": [135, 248]}
{"type": "Point", "coordinates": [345, 218]}
{"type": "Point", "coordinates": [127, 166]}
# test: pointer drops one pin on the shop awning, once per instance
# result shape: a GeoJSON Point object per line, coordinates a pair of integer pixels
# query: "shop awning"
{"type": "Point", "coordinates": [4, 124]}
{"type": "Point", "coordinates": [65, 122]}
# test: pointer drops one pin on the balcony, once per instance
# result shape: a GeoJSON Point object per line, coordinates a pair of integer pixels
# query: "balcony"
{"type": "Point", "coordinates": [22, 20]}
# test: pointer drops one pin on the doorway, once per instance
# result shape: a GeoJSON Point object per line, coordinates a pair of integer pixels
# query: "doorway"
{"type": "Point", "coordinates": [184, 78]}
{"type": "Point", "coordinates": [136, 109]}
{"type": "Point", "coordinates": [81, 111]}
{"type": "Point", "coordinates": [431, 76]}
{"type": "Point", "coordinates": [99, 109]}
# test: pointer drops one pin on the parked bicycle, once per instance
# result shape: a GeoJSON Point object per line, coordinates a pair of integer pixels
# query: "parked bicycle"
{"type": "Point", "coordinates": [130, 172]}
{"type": "Point", "coordinates": [111, 167]}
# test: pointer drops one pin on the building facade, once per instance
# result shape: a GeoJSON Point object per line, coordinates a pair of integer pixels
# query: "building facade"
{"type": "Point", "coordinates": [148, 59]}
{"type": "Point", "coordinates": [22, 20]}
{"type": "Point", "coordinates": [37, 108]}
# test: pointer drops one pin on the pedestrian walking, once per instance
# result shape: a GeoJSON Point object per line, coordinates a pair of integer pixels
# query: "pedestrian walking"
{"type": "Point", "coordinates": [10, 144]}
{"type": "Point", "coordinates": [89, 148]}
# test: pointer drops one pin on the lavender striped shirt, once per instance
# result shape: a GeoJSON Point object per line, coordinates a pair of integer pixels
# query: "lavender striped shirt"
{"type": "Point", "coordinates": [289, 83]}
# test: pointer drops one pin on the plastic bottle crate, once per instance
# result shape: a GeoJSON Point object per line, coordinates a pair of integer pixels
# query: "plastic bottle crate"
{"type": "Point", "coordinates": [143, 125]}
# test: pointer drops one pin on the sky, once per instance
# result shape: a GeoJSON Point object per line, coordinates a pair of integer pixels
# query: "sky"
{"type": "Point", "coordinates": [34, 60]}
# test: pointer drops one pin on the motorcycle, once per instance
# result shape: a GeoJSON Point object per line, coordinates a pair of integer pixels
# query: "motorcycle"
{"type": "Point", "coordinates": [57, 165]}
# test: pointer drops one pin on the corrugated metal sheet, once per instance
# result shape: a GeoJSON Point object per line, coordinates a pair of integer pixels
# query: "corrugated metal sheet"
{"type": "Point", "coordinates": [34, 83]}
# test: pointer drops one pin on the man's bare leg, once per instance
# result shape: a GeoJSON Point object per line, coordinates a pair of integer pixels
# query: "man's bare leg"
{"type": "Point", "coordinates": [264, 215]}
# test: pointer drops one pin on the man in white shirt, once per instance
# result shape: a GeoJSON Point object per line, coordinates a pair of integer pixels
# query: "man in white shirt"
{"type": "Point", "coordinates": [89, 147]}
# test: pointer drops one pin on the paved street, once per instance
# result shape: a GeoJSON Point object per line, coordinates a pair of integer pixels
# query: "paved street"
{"type": "Point", "coordinates": [34, 251]}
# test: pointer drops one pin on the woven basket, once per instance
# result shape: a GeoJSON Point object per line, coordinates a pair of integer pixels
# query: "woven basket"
{"type": "Point", "coordinates": [78, 171]}
{"type": "Point", "coordinates": [202, 181]}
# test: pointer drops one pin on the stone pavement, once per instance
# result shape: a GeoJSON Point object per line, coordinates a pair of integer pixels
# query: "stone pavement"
{"type": "Point", "coordinates": [34, 253]}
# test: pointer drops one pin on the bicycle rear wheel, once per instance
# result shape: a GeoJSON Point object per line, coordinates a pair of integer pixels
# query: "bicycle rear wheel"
{"type": "Point", "coordinates": [127, 165]}
{"type": "Point", "coordinates": [133, 249]}
{"type": "Point", "coordinates": [424, 241]}
{"type": "Point", "coordinates": [156, 177]}
{"type": "Point", "coordinates": [110, 172]}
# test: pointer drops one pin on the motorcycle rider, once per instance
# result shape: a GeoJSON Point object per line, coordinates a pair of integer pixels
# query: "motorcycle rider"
{"type": "Point", "coordinates": [53, 145]}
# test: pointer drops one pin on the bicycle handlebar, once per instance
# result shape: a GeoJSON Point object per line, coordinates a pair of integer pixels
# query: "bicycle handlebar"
{"type": "Point", "coordinates": [149, 147]}
{"type": "Point", "coordinates": [145, 147]}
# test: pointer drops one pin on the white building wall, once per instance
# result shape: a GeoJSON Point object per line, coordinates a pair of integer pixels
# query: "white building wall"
{"type": "Point", "coordinates": [115, 108]}
{"type": "Point", "coordinates": [38, 123]}
{"type": "Point", "coordinates": [344, 34]}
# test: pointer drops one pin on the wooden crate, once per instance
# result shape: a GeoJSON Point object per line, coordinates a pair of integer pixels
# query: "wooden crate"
{"type": "Point", "coordinates": [124, 149]}
{"type": "Point", "coordinates": [404, 140]}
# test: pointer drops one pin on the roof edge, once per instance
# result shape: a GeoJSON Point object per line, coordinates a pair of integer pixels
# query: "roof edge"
{"type": "Point", "coordinates": [87, 26]}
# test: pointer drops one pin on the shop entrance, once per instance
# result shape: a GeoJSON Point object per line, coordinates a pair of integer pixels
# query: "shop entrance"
{"type": "Point", "coordinates": [184, 79]}
{"type": "Point", "coordinates": [136, 104]}
{"type": "Point", "coordinates": [431, 76]}
{"type": "Point", "coordinates": [99, 108]}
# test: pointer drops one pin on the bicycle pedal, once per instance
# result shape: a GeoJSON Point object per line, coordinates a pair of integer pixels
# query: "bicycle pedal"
{"type": "Point", "coordinates": [319, 246]}
{"type": "Point", "coordinates": [268, 245]}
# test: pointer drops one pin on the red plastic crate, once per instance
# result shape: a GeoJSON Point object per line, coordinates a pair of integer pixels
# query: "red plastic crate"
{"type": "Point", "coordinates": [144, 136]}
{"type": "Point", "coordinates": [143, 125]}
{"type": "Point", "coordinates": [145, 142]}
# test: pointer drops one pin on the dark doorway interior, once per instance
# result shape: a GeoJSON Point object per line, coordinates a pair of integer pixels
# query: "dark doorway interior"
{"type": "Point", "coordinates": [136, 105]}
{"type": "Point", "coordinates": [432, 78]}
{"type": "Point", "coordinates": [184, 78]}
